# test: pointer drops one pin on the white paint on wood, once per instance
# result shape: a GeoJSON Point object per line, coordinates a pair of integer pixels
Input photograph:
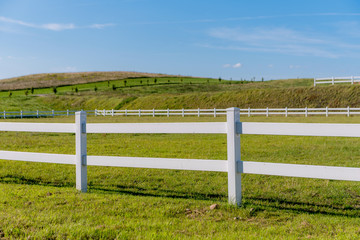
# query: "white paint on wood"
{"type": "Point", "coordinates": [81, 146]}
{"type": "Point", "coordinates": [305, 171]}
{"type": "Point", "coordinates": [300, 129]}
{"type": "Point", "coordinates": [233, 157]}
{"type": "Point", "coordinates": [207, 127]}
{"type": "Point", "coordinates": [37, 127]}
{"type": "Point", "coordinates": [161, 163]}
{"type": "Point", "coordinates": [38, 157]}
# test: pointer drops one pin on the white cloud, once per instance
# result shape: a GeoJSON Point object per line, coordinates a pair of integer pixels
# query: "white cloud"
{"type": "Point", "coordinates": [294, 66]}
{"type": "Point", "coordinates": [237, 65]}
{"type": "Point", "coordinates": [58, 27]}
{"type": "Point", "coordinates": [51, 26]}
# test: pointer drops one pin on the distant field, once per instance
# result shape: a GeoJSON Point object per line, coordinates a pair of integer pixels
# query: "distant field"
{"type": "Point", "coordinates": [39, 201]}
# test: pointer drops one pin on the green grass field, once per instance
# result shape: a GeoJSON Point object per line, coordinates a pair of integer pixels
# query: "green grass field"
{"type": "Point", "coordinates": [39, 201]}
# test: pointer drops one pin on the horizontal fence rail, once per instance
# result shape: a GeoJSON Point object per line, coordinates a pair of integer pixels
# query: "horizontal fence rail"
{"type": "Point", "coordinates": [233, 165]}
{"type": "Point", "coordinates": [333, 80]}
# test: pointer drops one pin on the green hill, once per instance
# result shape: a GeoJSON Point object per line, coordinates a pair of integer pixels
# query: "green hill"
{"type": "Point", "coordinates": [120, 90]}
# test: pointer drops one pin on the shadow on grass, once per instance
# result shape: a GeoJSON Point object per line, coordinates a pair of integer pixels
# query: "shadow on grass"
{"type": "Point", "coordinates": [151, 192]}
{"type": "Point", "coordinates": [260, 203]}
{"type": "Point", "coordinates": [304, 207]}
{"type": "Point", "coordinates": [14, 179]}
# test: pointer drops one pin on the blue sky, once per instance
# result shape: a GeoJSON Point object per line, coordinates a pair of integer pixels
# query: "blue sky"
{"type": "Point", "coordinates": [228, 39]}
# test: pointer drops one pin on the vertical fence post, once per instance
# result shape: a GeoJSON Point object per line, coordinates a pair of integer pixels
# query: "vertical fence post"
{"type": "Point", "coordinates": [153, 112]}
{"type": "Point", "coordinates": [168, 113]}
{"type": "Point", "coordinates": [81, 155]}
{"type": "Point", "coordinates": [37, 113]}
{"type": "Point", "coordinates": [233, 156]}
{"type": "Point", "coordinates": [333, 80]}
{"type": "Point", "coordinates": [125, 112]}
{"type": "Point", "coordinates": [139, 112]}
{"type": "Point", "coordinates": [306, 111]}
{"type": "Point", "coordinates": [112, 112]}
{"type": "Point", "coordinates": [95, 112]}
{"type": "Point", "coordinates": [348, 111]}
{"type": "Point", "coordinates": [4, 114]}
{"type": "Point", "coordinates": [249, 112]}
{"type": "Point", "coordinates": [21, 114]}
{"type": "Point", "coordinates": [67, 112]}
{"type": "Point", "coordinates": [286, 112]}
{"type": "Point", "coordinates": [327, 111]}
{"type": "Point", "coordinates": [267, 111]}
{"type": "Point", "coordinates": [215, 112]}
{"type": "Point", "coordinates": [53, 113]}
{"type": "Point", "coordinates": [198, 112]}
{"type": "Point", "coordinates": [183, 113]}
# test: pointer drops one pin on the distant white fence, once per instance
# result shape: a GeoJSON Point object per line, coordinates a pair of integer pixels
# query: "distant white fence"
{"type": "Point", "coordinates": [233, 165]}
{"type": "Point", "coordinates": [326, 111]}
{"type": "Point", "coordinates": [333, 80]}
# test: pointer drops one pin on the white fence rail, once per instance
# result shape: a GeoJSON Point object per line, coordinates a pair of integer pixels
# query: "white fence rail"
{"type": "Point", "coordinates": [326, 111]}
{"type": "Point", "coordinates": [333, 80]}
{"type": "Point", "coordinates": [233, 165]}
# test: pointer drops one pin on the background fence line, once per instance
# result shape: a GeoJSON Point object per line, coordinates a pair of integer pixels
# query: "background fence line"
{"type": "Point", "coordinates": [333, 80]}
{"type": "Point", "coordinates": [326, 111]}
{"type": "Point", "coordinates": [233, 165]}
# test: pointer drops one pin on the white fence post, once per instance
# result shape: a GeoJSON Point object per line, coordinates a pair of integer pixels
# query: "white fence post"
{"type": "Point", "coordinates": [214, 112]}
{"type": "Point", "coordinates": [233, 156]}
{"type": "Point", "coordinates": [112, 112]}
{"type": "Point", "coordinates": [348, 111]}
{"type": "Point", "coordinates": [198, 112]}
{"type": "Point", "coordinates": [4, 114]}
{"type": "Point", "coordinates": [306, 111]}
{"type": "Point", "coordinates": [267, 111]}
{"type": "Point", "coordinates": [67, 112]}
{"type": "Point", "coordinates": [249, 112]}
{"type": "Point", "coordinates": [95, 112]}
{"type": "Point", "coordinates": [81, 155]}
{"type": "Point", "coordinates": [286, 112]}
{"type": "Point", "coordinates": [168, 113]}
{"type": "Point", "coordinates": [21, 114]}
{"type": "Point", "coordinates": [183, 113]}
{"type": "Point", "coordinates": [125, 112]}
{"type": "Point", "coordinates": [153, 112]}
{"type": "Point", "coordinates": [139, 112]}
{"type": "Point", "coordinates": [327, 111]}
{"type": "Point", "coordinates": [37, 113]}
{"type": "Point", "coordinates": [332, 80]}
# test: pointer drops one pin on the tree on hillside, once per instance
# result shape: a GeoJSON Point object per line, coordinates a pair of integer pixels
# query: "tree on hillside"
{"type": "Point", "coordinates": [54, 90]}
{"type": "Point", "coordinates": [76, 90]}
{"type": "Point", "coordinates": [219, 79]}
{"type": "Point", "coordinates": [125, 83]}
{"type": "Point", "coordinates": [10, 93]}
{"type": "Point", "coordinates": [155, 80]}
{"type": "Point", "coordinates": [32, 90]}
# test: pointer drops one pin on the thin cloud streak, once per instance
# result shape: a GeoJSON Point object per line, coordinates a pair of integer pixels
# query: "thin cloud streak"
{"type": "Point", "coordinates": [52, 26]}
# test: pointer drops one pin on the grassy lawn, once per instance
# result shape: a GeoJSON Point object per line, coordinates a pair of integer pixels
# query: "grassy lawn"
{"type": "Point", "coordinates": [39, 201]}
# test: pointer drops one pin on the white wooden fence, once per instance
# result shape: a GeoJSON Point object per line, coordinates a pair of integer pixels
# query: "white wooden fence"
{"type": "Point", "coordinates": [326, 111]}
{"type": "Point", "coordinates": [233, 165]}
{"type": "Point", "coordinates": [333, 80]}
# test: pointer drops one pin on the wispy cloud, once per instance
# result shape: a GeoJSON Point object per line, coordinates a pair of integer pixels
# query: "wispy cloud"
{"type": "Point", "coordinates": [279, 40]}
{"type": "Point", "coordinates": [52, 26]}
{"type": "Point", "coordinates": [236, 65]}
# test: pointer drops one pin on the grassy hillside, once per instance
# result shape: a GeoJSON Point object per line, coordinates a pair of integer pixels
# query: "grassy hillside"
{"type": "Point", "coordinates": [63, 79]}
{"type": "Point", "coordinates": [174, 92]}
